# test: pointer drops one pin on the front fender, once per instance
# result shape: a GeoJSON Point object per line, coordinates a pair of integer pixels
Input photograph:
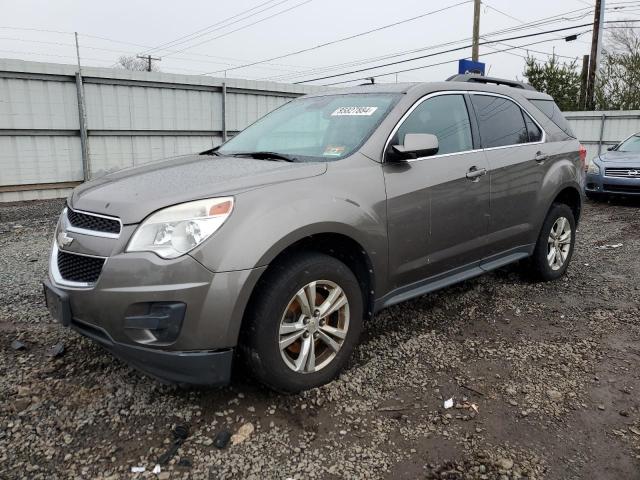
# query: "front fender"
{"type": "Point", "coordinates": [267, 220]}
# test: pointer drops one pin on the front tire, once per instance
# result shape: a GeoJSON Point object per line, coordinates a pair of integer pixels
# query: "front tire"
{"type": "Point", "coordinates": [555, 244]}
{"type": "Point", "coordinates": [303, 323]}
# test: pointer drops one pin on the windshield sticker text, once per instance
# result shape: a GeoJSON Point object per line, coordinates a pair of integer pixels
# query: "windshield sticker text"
{"type": "Point", "coordinates": [354, 111]}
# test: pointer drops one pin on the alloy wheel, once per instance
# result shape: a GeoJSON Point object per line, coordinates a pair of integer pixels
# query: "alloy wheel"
{"type": "Point", "coordinates": [314, 326]}
{"type": "Point", "coordinates": [559, 243]}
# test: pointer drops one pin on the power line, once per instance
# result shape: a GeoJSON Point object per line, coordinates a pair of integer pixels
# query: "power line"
{"type": "Point", "coordinates": [456, 49]}
{"type": "Point", "coordinates": [501, 12]}
{"type": "Point", "coordinates": [130, 53]}
{"type": "Point", "coordinates": [411, 69]}
{"type": "Point", "coordinates": [206, 29]}
{"type": "Point", "coordinates": [182, 56]}
{"type": "Point", "coordinates": [343, 39]}
{"type": "Point", "coordinates": [36, 30]}
{"type": "Point", "coordinates": [243, 27]}
{"type": "Point", "coordinates": [486, 42]}
{"type": "Point", "coordinates": [53, 55]}
{"type": "Point", "coordinates": [542, 52]}
{"type": "Point", "coordinates": [540, 22]}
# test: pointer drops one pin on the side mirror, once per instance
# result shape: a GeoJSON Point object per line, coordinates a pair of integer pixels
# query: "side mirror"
{"type": "Point", "coordinates": [417, 145]}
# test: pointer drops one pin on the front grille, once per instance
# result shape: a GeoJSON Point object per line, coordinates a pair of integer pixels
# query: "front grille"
{"type": "Point", "coordinates": [93, 222]}
{"type": "Point", "coordinates": [78, 268]}
{"type": "Point", "coordinates": [622, 172]}
{"type": "Point", "coordinates": [621, 188]}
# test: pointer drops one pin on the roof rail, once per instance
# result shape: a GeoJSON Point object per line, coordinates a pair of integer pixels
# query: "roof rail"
{"type": "Point", "coordinates": [474, 78]}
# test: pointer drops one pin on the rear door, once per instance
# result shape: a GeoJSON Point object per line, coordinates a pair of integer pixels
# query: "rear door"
{"type": "Point", "coordinates": [514, 145]}
{"type": "Point", "coordinates": [438, 206]}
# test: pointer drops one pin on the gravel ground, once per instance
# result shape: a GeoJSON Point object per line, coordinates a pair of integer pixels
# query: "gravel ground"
{"type": "Point", "coordinates": [544, 378]}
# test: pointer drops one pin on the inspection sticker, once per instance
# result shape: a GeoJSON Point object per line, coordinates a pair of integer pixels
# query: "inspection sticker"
{"type": "Point", "coordinates": [334, 150]}
{"type": "Point", "coordinates": [354, 111]}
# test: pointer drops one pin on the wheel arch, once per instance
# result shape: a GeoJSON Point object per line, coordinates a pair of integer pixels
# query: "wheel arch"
{"type": "Point", "coordinates": [570, 196]}
{"type": "Point", "coordinates": [338, 245]}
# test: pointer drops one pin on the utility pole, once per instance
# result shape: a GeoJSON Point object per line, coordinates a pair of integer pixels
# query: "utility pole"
{"type": "Point", "coordinates": [584, 81]}
{"type": "Point", "coordinates": [475, 52]}
{"type": "Point", "coordinates": [148, 58]}
{"type": "Point", "coordinates": [596, 50]}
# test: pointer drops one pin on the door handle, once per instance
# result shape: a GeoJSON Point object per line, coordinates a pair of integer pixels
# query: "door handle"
{"type": "Point", "coordinates": [475, 173]}
{"type": "Point", "coordinates": [541, 157]}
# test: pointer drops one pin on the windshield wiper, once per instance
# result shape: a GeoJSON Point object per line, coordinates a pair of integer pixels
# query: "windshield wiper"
{"type": "Point", "coordinates": [211, 151]}
{"type": "Point", "coordinates": [267, 156]}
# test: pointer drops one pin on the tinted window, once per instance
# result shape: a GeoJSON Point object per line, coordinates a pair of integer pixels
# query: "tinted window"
{"type": "Point", "coordinates": [551, 110]}
{"type": "Point", "coordinates": [444, 116]}
{"type": "Point", "coordinates": [501, 121]}
{"type": "Point", "coordinates": [535, 134]}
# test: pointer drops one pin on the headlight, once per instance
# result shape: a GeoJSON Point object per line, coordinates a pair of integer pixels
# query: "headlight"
{"type": "Point", "coordinates": [593, 168]}
{"type": "Point", "coordinates": [174, 231]}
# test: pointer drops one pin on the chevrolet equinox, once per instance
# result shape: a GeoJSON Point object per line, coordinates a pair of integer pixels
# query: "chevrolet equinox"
{"type": "Point", "coordinates": [275, 247]}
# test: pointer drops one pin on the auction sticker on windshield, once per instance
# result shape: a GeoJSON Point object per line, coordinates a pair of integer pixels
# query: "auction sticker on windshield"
{"type": "Point", "coordinates": [354, 111]}
{"type": "Point", "coordinates": [334, 151]}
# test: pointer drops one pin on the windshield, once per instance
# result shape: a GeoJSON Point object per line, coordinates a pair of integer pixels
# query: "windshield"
{"type": "Point", "coordinates": [630, 145]}
{"type": "Point", "coordinates": [314, 129]}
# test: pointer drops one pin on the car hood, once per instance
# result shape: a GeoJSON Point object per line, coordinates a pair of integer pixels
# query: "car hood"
{"type": "Point", "coordinates": [132, 194]}
{"type": "Point", "coordinates": [621, 157]}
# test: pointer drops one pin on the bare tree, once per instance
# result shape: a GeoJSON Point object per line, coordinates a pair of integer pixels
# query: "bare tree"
{"type": "Point", "coordinates": [624, 39]}
{"type": "Point", "coordinates": [618, 85]}
{"type": "Point", "coordinates": [135, 64]}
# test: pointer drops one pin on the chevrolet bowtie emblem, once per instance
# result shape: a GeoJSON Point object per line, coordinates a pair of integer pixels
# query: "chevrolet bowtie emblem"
{"type": "Point", "coordinates": [64, 240]}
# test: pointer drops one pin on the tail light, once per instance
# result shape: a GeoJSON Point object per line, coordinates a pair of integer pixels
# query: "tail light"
{"type": "Point", "coordinates": [583, 157]}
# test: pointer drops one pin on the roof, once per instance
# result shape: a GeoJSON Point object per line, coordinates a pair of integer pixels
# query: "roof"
{"type": "Point", "coordinates": [370, 88]}
{"type": "Point", "coordinates": [484, 80]}
{"type": "Point", "coordinates": [428, 87]}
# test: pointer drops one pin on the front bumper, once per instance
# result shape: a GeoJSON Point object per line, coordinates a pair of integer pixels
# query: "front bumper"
{"type": "Point", "coordinates": [202, 351]}
{"type": "Point", "coordinates": [210, 368]}
{"type": "Point", "coordinates": [600, 183]}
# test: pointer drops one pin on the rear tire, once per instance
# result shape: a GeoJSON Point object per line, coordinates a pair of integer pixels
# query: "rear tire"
{"type": "Point", "coordinates": [303, 324]}
{"type": "Point", "coordinates": [555, 244]}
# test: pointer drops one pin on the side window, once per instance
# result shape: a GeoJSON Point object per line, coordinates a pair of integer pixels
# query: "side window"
{"type": "Point", "coordinates": [551, 110]}
{"type": "Point", "coordinates": [501, 121]}
{"type": "Point", "coordinates": [444, 116]}
{"type": "Point", "coordinates": [535, 134]}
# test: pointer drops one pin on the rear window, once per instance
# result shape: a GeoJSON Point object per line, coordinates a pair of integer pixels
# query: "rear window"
{"type": "Point", "coordinates": [551, 110]}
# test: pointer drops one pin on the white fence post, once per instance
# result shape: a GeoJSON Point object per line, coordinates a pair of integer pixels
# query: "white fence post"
{"type": "Point", "coordinates": [84, 138]}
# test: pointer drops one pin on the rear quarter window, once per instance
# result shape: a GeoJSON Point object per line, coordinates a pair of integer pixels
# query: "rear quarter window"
{"type": "Point", "coordinates": [551, 110]}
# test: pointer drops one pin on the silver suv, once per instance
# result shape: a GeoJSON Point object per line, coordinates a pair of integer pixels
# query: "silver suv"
{"type": "Point", "coordinates": [275, 247]}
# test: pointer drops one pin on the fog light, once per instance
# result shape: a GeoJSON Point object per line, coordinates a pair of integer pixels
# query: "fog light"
{"type": "Point", "coordinates": [154, 322]}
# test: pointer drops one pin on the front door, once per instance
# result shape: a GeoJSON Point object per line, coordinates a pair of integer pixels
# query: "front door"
{"type": "Point", "coordinates": [438, 206]}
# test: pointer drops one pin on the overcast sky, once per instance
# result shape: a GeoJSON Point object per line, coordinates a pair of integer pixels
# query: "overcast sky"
{"type": "Point", "coordinates": [303, 24]}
